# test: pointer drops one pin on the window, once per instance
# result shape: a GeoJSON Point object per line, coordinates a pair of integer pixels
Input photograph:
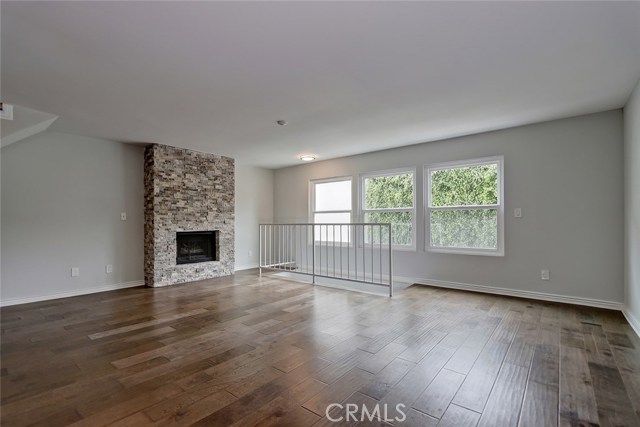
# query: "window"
{"type": "Point", "coordinates": [331, 204]}
{"type": "Point", "coordinates": [390, 197]}
{"type": "Point", "coordinates": [465, 212]}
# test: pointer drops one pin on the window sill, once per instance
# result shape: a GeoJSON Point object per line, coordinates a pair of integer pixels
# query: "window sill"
{"type": "Point", "coordinates": [385, 246]}
{"type": "Point", "coordinates": [466, 252]}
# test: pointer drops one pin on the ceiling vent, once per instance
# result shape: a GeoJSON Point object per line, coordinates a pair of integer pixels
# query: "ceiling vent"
{"type": "Point", "coordinates": [6, 111]}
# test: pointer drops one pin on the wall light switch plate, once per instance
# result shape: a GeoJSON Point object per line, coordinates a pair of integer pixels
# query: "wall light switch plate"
{"type": "Point", "coordinates": [108, 268]}
{"type": "Point", "coordinates": [75, 271]}
{"type": "Point", "coordinates": [250, 253]}
{"type": "Point", "coordinates": [544, 274]}
{"type": "Point", "coordinates": [517, 212]}
{"type": "Point", "coordinates": [123, 216]}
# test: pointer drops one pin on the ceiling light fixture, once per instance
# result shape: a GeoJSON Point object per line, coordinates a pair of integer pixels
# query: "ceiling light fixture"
{"type": "Point", "coordinates": [307, 157]}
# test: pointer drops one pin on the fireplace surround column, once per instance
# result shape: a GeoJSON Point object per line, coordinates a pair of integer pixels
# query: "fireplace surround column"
{"type": "Point", "coordinates": [186, 191]}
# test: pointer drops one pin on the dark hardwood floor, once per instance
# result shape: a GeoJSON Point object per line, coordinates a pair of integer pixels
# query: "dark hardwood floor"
{"type": "Point", "coordinates": [244, 351]}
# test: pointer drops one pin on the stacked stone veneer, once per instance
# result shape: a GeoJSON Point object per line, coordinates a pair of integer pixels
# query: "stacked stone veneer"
{"type": "Point", "coordinates": [186, 190]}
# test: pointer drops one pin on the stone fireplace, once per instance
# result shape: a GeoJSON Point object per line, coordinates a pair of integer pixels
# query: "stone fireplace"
{"type": "Point", "coordinates": [189, 215]}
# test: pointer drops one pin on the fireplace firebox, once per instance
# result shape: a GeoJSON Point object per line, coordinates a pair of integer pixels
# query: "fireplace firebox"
{"type": "Point", "coordinates": [197, 246]}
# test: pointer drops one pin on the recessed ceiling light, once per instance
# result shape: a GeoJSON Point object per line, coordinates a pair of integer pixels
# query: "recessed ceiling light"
{"type": "Point", "coordinates": [307, 157]}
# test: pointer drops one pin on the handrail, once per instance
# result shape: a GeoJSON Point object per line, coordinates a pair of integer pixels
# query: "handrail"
{"type": "Point", "coordinates": [356, 252]}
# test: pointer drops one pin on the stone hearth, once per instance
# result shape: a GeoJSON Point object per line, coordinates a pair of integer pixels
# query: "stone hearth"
{"type": "Point", "coordinates": [186, 191]}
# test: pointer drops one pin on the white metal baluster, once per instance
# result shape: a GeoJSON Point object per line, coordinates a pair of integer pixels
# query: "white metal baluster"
{"type": "Point", "coordinates": [285, 247]}
{"type": "Point", "coordinates": [313, 253]}
{"type": "Point", "coordinates": [320, 252]}
{"type": "Point", "coordinates": [280, 251]}
{"type": "Point", "coordinates": [326, 248]}
{"type": "Point", "coordinates": [260, 250]}
{"type": "Point", "coordinates": [364, 253]}
{"type": "Point", "coordinates": [380, 249]}
{"type": "Point", "coordinates": [270, 245]}
{"type": "Point", "coordinates": [355, 252]}
{"type": "Point", "coordinates": [308, 250]}
{"type": "Point", "coordinates": [341, 245]}
{"type": "Point", "coordinates": [372, 254]}
{"type": "Point", "coordinates": [349, 252]}
{"type": "Point", "coordinates": [289, 245]}
{"type": "Point", "coordinates": [333, 256]}
{"type": "Point", "coordinates": [299, 244]}
{"type": "Point", "coordinates": [390, 263]}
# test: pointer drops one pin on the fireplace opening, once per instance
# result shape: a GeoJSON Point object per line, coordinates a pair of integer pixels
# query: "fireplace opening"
{"type": "Point", "coordinates": [197, 246]}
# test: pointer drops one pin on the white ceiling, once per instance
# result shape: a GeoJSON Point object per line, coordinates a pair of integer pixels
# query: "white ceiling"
{"type": "Point", "coordinates": [349, 77]}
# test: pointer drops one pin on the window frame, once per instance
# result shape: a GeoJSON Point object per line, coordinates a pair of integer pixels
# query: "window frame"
{"type": "Point", "coordinates": [312, 201]}
{"type": "Point", "coordinates": [499, 251]}
{"type": "Point", "coordinates": [361, 202]}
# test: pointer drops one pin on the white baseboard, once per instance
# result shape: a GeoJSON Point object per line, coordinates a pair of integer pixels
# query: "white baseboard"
{"type": "Point", "coordinates": [66, 294]}
{"type": "Point", "coordinates": [245, 267]}
{"type": "Point", "coordinates": [612, 305]}
{"type": "Point", "coordinates": [633, 321]}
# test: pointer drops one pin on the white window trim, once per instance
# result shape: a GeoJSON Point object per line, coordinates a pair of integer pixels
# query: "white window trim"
{"type": "Point", "coordinates": [312, 200]}
{"type": "Point", "coordinates": [500, 206]}
{"type": "Point", "coordinates": [362, 210]}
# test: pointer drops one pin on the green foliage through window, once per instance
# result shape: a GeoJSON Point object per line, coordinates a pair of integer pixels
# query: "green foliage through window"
{"type": "Point", "coordinates": [388, 192]}
{"type": "Point", "coordinates": [477, 228]}
{"type": "Point", "coordinates": [464, 186]}
{"type": "Point", "coordinates": [401, 227]}
{"type": "Point", "coordinates": [389, 199]}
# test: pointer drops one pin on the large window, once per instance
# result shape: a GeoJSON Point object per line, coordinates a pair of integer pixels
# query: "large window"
{"type": "Point", "coordinates": [465, 212]}
{"type": "Point", "coordinates": [390, 197]}
{"type": "Point", "coordinates": [331, 204]}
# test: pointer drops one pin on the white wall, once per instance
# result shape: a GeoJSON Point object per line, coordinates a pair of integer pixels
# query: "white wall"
{"type": "Point", "coordinates": [567, 177]}
{"type": "Point", "coordinates": [254, 205]}
{"type": "Point", "coordinates": [61, 201]}
{"type": "Point", "coordinates": [632, 208]}
{"type": "Point", "coordinates": [62, 196]}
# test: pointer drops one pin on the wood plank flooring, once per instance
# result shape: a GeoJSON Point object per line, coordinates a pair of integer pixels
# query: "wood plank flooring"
{"type": "Point", "coordinates": [251, 351]}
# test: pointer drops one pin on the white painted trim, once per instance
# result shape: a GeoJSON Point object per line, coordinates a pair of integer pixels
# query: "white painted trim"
{"type": "Point", "coordinates": [426, 181]}
{"type": "Point", "coordinates": [245, 267]}
{"type": "Point", "coordinates": [633, 321]}
{"type": "Point", "coordinates": [76, 292]}
{"type": "Point", "coordinates": [361, 211]}
{"type": "Point", "coordinates": [589, 302]}
{"type": "Point", "coordinates": [312, 196]}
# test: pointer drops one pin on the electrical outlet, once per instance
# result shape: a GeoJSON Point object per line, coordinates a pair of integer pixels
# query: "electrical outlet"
{"type": "Point", "coordinates": [75, 271]}
{"type": "Point", "coordinates": [544, 274]}
{"type": "Point", "coordinates": [123, 216]}
{"type": "Point", "coordinates": [108, 268]}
